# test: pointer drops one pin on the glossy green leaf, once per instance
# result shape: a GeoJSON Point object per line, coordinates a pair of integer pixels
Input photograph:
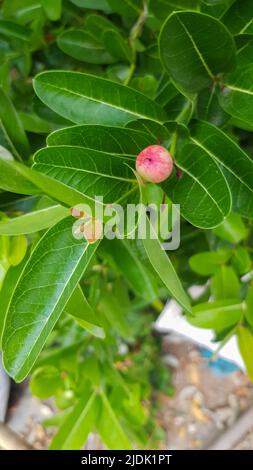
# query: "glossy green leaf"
{"type": "Point", "coordinates": [237, 165]}
{"type": "Point", "coordinates": [249, 306]}
{"type": "Point", "coordinates": [52, 8]}
{"type": "Point", "coordinates": [93, 4]}
{"type": "Point", "coordinates": [115, 311]}
{"type": "Point", "coordinates": [208, 262]}
{"type": "Point", "coordinates": [165, 269]}
{"type": "Point", "coordinates": [116, 140]}
{"type": "Point", "coordinates": [216, 315]}
{"type": "Point", "coordinates": [33, 123]}
{"type": "Point", "coordinates": [75, 429]}
{"type": "Point", "coordinates": [82, 46]}
{"type": "Point", "coordinates": [162, 8]}
{"type": "Point", "coordinates": [6, 142]}
{"type": "Point", "coordinates": [166, 91]}
{"type": "Point", "coordinates": [128, 262]}
{"type": "Point", "coordinates": [88, 99]}
{"type": "Point", "coordinates": [187, 53]}
{"type": "Point", "coordinates": [146, 85]}
{"type": "Point", "coordinates": [43, 289]}
{"type": "Point", "coordinates": [241, 260]}
{"type": "Point", "coordinates": [79, 308]}
{"type": "Point", "coordinates": [45, 382]}
{"type": "Point", "coordinates": [24, 180]}
{"type": "Point", "coordinates": [6, 291]}
{"type": "Point", "coordinates": [12, 180]}
{"type": "Point", "coordinates": [13, 125]}
{"type": "Point", "coordinates": [90, 172]}
{"type": "Point", "coordinates": [14, 30]}
{"type": "Point", "coordinates": [209, 108]}
{"type": "Point", "coordinates": [116, 438]}
{"type": "Point", "coordinates": [117, 46]}
{"type": "Point", "coordinates": [17, 249]}
{"type": "Point", "coordinates": [202, 190]}
{"type": "Point", "coordinates": [225, 284]}
{"type": "Point", "coordinates": [239, 17]}
{"type": "Point", "coordinates": [33, 221]}
{"type": "Point", "coordinates": [233, 229]}
{"type": "Point", "coordinates": [216, 8]}
{"type": "Point", "coordinates": [97, 25]}
{"type": "Point", "coordinates": [245, 344]}
{"type": "Point", "coordinates": [237, 94]}
{"type": "Point", "coordinates": [128, 8]}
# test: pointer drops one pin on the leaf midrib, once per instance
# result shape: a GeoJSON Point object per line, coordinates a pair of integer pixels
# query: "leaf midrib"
{"type": "Point", "coordinates": [113, 106]}
{"type": "Point", "coordinates": [48, 318]}
{"type": "Point", "coordinates": [203, 187]}
{"type": "Point", "coordinates": [88, 171]}
{"type": "Point", "coordinates": [222, 163]}
{"type": "Point", "coordinates": [202, 60]}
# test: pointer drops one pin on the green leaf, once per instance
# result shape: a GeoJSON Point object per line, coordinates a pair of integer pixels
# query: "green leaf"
{"type": "Point", "coordinates": [45, 382]}
{"type": "Point", "coordinates": [216, 8]}
{"type": "Point", "coordinates": [241, 260]}
{"type": "Point", "coordinates": [24, 180]}
{"type": "Point", "coordinates": [17, 250]}
{"type": "Point", "coordinates": [237, 165]}
{"type": "Point", "coordinates": [33, 123]}
{"type": "Point", "coordinates": [6, 291]}
{"type": "Point", "coordinates": [79, 308]}
{"type": "Point", "coordinates": [42, 291]}
{"type": "Point", "coordinates": [237, 94]}
{"type": "Point", "coordinates": [13, 125]}
{"type": "Point", "coordinates": [117, 46]}
{"type": "Point", "coordinates": [128, 262]}
{"type": "Point", "coordinates": [53, 9]}
{"type": "Point", "coordinates": [216, 315]}
{"type": "Point", "coordinates": [239, 17]}
{"type": "Point", "coordinates": [88, 99]}
{"type": "Point", "coordinates": [24, 11]}
{"type": "Point", "coordinates": [82, 46]}
{"type": "Point", "coordinates": [115, 140]}
{"type": "Point", "coordinates": [249, 306]}
{"type": "Point", "coordinates": [93, 4]}
{"type": "Point", "coordinates": [115, 311]}
{"type": "Point", "coordinates": [208, 262]}
{"type": "Point", "coordinates": [209, 108]}
{"type": "Point", "coordinates": [146, 84]}
{"type": "Point", "coordinates": [14, 181]}
{"type": "Point", "coordinates": [187, 53]}
{"type": "Point", "coordinates": [90, 172]}
{"type": "Point", "coordinates": [166, 91]}
{"type": "Point", "coordinates": [165, 269]}
{"type": "Point", "coordinates": [14, 30]}
{"type": "Point", "coordinates": [202, 190]}
{"type": "Point", "coordinates": [233, 229]}
{"type": "Point", "coordinates": [75, 429]}
{"type": "Point", "coordinates": [245, 344]}
{"type": "Point", "coordinates": [96, 25]}
{"type": "Point", "coordinates": [33, 221]}
{"type": "Point", "coordinates": [128, 8]}
{"type": "Point", "coordinates": [225, 284]}
{"type": "Point", "coordinates": [116, 438]}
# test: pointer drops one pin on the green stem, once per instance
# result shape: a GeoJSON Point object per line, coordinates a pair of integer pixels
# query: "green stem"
{"type": "Point", "coordinates": [134, 34]}
{"type": "Point", "coordinates": [173, 144]}
{"type": "Point", "coordinates": [130, 73]}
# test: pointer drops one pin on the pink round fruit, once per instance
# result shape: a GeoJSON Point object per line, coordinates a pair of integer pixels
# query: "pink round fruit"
{"type": "Point", "coordinates": [154, 164]}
